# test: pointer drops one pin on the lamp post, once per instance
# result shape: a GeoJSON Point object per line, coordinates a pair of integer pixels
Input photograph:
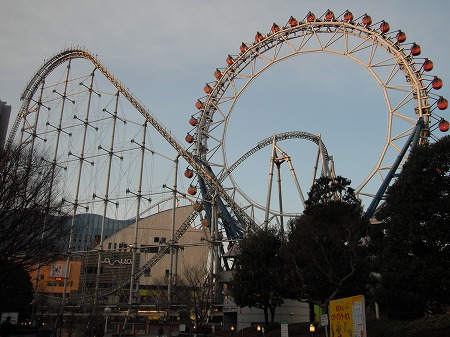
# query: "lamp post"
{"type": "Point", "coordinates": [312, 329]}
{"type": "Point", "coordinates": [107, 312]}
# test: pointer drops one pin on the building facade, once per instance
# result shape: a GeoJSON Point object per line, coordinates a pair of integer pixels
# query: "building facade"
{"type": "Point", "coordinates": [154, 235]}
{"type": "Point", "coordinates": [116, 258]}
{"type": "Point", "coordinates": [50, 278]}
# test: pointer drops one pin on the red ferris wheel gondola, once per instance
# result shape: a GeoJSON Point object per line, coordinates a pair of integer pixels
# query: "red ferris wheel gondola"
{"type": "Point", "coordinates": [207, 89]}
{"type": "Point", "coordinates": [193, 121]}
{"type": "Point", "coordinates": [401, 36]}
{"type": "Point", "coordinates": [258, 37]}
{"type": "Point", "coordinates": [348, 16]}
{"type": "Point", "coordinates": [192, 190]}
{"type": "Point", "coordinates": [243, 48]}
{"type": "Point", "coordinates": [415, 50]}
{"type": "Point", "coordinates": [292, 21]}
{"type": "Point", "coordinates": [189, 138]}
{"type": "Point", "coordinates": [199, 104]}
{"type": "Point", "coordinates": [427, 65]}
{"type": "Point", "coordinates": [310, 17]}
{"type": "Point", "coordinates": [436, 83]}
{"type": "Point", "coordinates": [188, 173]}
{"type": "Point", "coordinates": [329, 15]}
{"type": "Point", "coordinates": [443, 125]}
{"type": "Point", "coordinates": [217, 74]}
{"type": "Point", "coordinates": [367, 20]}
{"type": "Point", "coordinates": [442, 103]}
{"type": "Point", "coordinates": [275, 28]}
{"type": "Point", "coordinates": [384, 27]}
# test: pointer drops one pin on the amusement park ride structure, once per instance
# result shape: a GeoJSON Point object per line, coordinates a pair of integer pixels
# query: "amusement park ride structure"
{"type": "Point", "coordinates": [74, 110]}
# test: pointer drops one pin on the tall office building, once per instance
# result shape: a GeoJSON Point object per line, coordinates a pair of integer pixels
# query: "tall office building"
{"type": "Point", "coordinates": [5, 112]}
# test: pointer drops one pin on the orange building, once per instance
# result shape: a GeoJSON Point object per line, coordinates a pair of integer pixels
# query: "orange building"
{"type": "Point", "coordinates": [51, 277]}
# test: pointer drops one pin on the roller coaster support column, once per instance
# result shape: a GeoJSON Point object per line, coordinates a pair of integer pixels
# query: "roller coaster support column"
{"type": "Point", "coordinates": [136, 228]}
{"type": "Point", "coordinates": [215, 258]}
{"type": "Point", "coordinates": [413, 140]}
{"type": "Point", "coordinates": [172, 240]}
{"type": "Point", "coordinates": [269, 189]}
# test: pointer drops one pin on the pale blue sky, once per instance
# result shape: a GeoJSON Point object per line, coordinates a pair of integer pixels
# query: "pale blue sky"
{"type": "Point", "coordinates": [165, 51]}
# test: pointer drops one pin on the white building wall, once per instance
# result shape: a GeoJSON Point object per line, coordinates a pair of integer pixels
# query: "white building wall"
{"type": "Point", "coordinates": [155, 232]}
{"type": "Point", "coordinates": [290, 311]}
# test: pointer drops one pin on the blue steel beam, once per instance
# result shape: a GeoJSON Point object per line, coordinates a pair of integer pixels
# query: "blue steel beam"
{"type": "Point", "coordinates": [412, 141]}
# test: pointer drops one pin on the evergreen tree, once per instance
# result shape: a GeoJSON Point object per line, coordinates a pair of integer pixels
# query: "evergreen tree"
{"type": "Point", "coordinates": [258, 273]}
{"type": "Point", "coordinates": [413, 240]}
{"type": "Point", "coordinates": [16, 291]}
{"type": "Point", "coordinates": [327, 244]}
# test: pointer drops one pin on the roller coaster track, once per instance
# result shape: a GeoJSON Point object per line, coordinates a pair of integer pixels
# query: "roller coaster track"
{"type": "Point", "coordinates": [197, 165]}
{"type": "Point", "coordinates": [268, 141]}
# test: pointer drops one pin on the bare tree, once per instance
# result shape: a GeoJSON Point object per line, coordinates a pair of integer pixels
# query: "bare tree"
{"type": "Point", "coordinates": [193, 293]}
{"type": "Point", "coordinates": [31, 210]}
{"type": "Point", "coordinates": [197, 292]}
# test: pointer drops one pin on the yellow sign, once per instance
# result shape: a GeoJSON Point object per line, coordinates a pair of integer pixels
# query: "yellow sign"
{"type": "Point", "coordinates": [347, 317]}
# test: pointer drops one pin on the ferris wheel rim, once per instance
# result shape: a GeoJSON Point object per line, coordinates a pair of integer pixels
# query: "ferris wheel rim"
{"type": "Point", "coordinates": [218, 89]}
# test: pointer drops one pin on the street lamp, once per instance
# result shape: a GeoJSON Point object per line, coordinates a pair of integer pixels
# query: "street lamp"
{"type": "Point", "coordinates": [107, 312]}
{"type": "Point", "coordinates": [312, 329]}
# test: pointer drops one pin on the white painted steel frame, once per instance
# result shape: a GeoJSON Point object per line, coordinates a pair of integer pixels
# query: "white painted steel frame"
{"type": "Point", "coordinates": [336, 37]}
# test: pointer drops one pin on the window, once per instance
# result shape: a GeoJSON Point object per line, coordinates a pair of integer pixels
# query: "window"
{"type": "Point", "coordinates": [109, 245]}
{"type": "Point", "coordinates": [149, 249]}
{"type": "Point", "coordinates": [91, 270]}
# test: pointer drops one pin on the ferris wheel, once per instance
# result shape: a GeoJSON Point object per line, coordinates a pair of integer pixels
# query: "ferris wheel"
{"type": "Point", "coordinates": [403, 76]}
